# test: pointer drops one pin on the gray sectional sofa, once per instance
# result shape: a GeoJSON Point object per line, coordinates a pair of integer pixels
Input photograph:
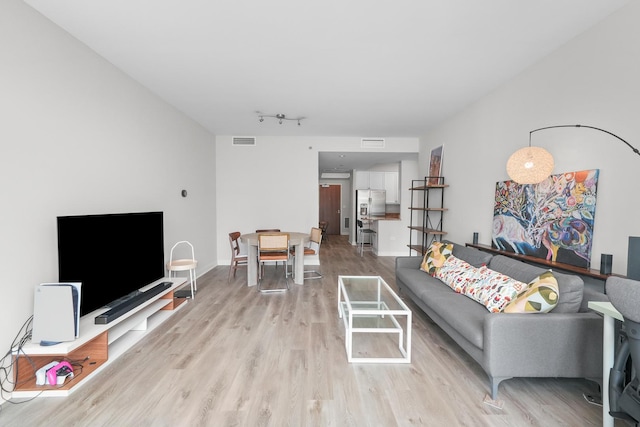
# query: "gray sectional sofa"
{"type": "Point", "coordinates": [566, 342]}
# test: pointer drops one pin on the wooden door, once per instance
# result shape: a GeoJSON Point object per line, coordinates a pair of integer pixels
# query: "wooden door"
{"type": "Point", "coordinates": [330, 207]}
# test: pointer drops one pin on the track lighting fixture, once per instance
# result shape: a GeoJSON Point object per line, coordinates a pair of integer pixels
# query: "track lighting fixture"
{"type": "Point", "coordinates": [280, 117]}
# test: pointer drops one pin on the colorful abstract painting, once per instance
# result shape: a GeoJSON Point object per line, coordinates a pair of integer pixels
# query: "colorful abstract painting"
{"type": "Point", "coordinates": [552, 220]}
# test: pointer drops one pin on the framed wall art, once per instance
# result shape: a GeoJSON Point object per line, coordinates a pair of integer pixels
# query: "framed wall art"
{"type": "Point", "coordinates": [552, 220]}
{"type": "Point", "coordinates": [435, 165]}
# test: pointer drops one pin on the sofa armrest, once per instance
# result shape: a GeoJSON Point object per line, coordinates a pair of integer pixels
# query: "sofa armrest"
{"type": "Point", "coordinates": [408, 262]}
{"type": "Point", "coordinates": [543, 345]}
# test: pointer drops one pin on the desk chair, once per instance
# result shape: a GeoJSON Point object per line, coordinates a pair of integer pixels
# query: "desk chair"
{"type": "Point", "coordinates": [238, 260]}
{"type": "Point", "coordinates": [273, 247]}
{"type": "Point", "coordinates": [364, 232]}
{"type": "Point", "coordinates": [186, 264]}
{"type": "Point", "coordinates": [315, 239]}
{"type": "Point", "coordinates": [624, 398]}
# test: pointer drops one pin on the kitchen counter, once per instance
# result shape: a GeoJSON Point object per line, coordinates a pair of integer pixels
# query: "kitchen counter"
{"type": "Point", "coordinates": [387, 217]}
{"type": "Point", "coordinates": [390, 237]}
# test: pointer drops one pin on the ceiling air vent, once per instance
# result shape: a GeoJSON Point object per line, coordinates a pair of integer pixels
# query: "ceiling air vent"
{"type": "Point", "coordinates": [372, 143]}
{"type": "Point", "coordinates": [244, 140]}
{"type": "Point", "coordinates": [335, 175]}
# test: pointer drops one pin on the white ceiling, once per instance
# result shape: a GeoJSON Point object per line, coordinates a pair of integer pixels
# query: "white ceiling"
{"type": "Point", "coordinates": [353, 67]}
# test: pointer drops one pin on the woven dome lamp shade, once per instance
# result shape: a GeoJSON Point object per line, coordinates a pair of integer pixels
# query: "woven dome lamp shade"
{"type": "Point", "coordinates": [530, 165]}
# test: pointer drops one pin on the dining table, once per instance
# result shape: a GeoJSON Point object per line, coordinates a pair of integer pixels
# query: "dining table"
{"type": "Point", "coordinates": [296, 240]}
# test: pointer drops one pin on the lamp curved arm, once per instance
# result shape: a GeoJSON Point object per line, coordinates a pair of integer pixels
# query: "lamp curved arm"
{"type": "Point", "coordinates": [634, 149]}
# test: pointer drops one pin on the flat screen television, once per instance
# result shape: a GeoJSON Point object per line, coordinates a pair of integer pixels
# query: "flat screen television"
{"type": "Point", "coordinates": [112, 255]}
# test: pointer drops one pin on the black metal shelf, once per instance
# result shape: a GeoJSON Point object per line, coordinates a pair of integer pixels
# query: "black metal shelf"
{"type": "Point", "coordinates": [427, 212]}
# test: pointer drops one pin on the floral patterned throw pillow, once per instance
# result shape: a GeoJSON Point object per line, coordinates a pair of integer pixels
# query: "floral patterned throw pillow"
{"type": "Point", "coordinates": [457, 274]}
{"type": "Point", "coordinates": [494, 290]}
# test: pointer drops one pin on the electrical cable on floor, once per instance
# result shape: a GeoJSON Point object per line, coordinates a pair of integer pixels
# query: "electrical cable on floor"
{"type": "Point", "coordinates": [8, 362]}
{"type": "Point", "coordinates": [16, 347]}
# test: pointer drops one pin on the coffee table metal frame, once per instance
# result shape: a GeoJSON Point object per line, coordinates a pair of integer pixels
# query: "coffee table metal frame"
{"type": "Point", "coordinates": [375, 307]}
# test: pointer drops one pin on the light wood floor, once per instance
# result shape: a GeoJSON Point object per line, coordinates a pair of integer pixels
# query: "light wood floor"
{"type": "Point", "coordinates": [235, 357]}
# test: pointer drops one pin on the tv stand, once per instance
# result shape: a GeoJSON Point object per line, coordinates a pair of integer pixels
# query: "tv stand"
{"type": "Point", "coordinates": [97, 346]}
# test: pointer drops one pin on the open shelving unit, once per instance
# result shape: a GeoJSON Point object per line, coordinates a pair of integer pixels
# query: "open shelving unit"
{"type": "Point", "coordinates": [427, 212]}
{"type": "Point", "coordinates": [97, 346]}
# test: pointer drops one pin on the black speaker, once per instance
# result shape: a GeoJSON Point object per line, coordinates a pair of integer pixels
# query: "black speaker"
{"type": "Point", "coordinates": [475, 238]}
{"type": "Point", "coordinates": [606, 261]}
{"type": "Point", "coordinates": [633, 259]}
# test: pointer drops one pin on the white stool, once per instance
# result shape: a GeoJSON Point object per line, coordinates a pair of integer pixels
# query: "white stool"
{"type": "Point", "coordinates": [184, 265]}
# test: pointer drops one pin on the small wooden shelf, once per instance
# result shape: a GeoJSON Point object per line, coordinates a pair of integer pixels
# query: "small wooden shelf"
{"type": "Point", "coordinates": [588, 272]}
{"type": "Point", "coordinates": [97, 345]}
{"type": "Point", "coordinates": [428, 187]}
{"type": "Point", "coordinates": [430, 209]}
{"type": "Point", "coordinates": [427, 230]}
{"type": "Point", "coordinates": [417, 248]}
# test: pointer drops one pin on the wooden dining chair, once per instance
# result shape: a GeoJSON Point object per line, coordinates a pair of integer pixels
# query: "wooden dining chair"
{"type": "Point", "coordinates": [323, 226]}
{"type": "Point", "coordinates": [269, 230]}
{"type": "Point", "coordinates": [273, 247]}
{"type": "Point", "coordinates": [238, 259]}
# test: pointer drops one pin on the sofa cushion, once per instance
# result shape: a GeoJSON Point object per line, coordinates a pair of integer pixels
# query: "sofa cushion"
{"type": "Point", "coordinates": [570, 286]}
{"type": "Point", "coordinates": [436, 256]}
{"type": "Point", "coordinates": [540, 297]}
{"type": "Point", "coordinates": [419, 283]}
{"type": "Point", "coordinates": [590, 294]}
{"type": "Point", "coordinates": [473, 256]}
{"type": "Point", "coordinates": [462, 314]}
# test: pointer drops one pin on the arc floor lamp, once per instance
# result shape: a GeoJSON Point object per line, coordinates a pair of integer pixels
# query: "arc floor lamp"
{"type": "Point", "coordinates": [531, 165]}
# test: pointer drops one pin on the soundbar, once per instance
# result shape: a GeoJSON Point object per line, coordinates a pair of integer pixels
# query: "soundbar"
{"type": "Point", "coordinates": [130, 304]}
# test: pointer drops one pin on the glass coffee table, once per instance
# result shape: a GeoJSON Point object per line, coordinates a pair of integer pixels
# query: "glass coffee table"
{"type": "Point", "coordinates": [368, 306]}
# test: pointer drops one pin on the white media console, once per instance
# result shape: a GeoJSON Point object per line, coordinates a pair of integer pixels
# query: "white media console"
{"type": "Point", "coordinates": [98, 344]}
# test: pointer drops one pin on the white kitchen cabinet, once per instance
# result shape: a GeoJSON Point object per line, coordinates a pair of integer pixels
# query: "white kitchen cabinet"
{"type": "Point", "coordinates": [376, 180]}
{"type": "Point", "coordinates": [388, 181]}
{"type": "Point", "coordinates": [391, 187]}
{"type": "Point", "coordinates": [361, 181]}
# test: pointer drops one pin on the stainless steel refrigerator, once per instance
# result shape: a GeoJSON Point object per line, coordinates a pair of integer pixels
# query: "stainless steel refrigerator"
{"type": "Point", "coordinates": [370, 204]}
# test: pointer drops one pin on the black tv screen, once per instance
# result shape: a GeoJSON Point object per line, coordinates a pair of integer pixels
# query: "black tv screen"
{"type": "Point", "coordinates": [112, 255]}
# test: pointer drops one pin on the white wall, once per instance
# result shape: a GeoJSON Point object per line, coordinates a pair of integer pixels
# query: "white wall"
{"type": "Point", "coordinates": [593, 80]}
{"type": "Point", "coordinates": [80, 137]}
{"type": "Point", "coordinates": [275, 182]}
